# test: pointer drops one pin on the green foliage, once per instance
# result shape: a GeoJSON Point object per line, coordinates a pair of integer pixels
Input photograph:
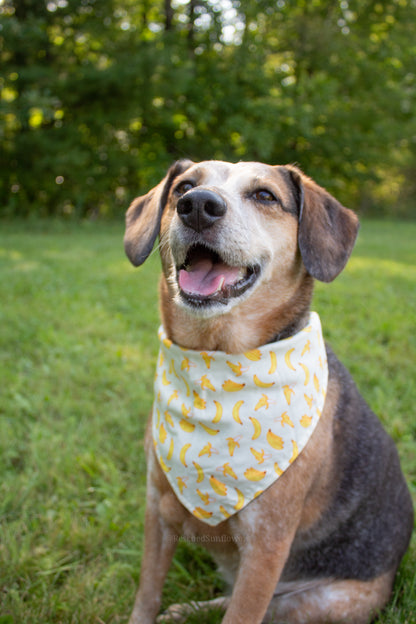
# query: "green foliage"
{"type": "Point", "coordinates": [78, 346]}
{"type": "Point", "coordinates": [99, 96]}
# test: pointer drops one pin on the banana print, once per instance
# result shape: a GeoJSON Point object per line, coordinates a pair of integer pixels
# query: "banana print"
{"type": "Point", "coordinates": [228, 426]}
{"type": "Point", "coordinates": [183, 453]}
{"type": "Point", "coordinates": [209, 430]}
{"type": "Point", "coordinates": [199, 403]}
{"type": "Point", "coordinates": [232, 386]}
{"type": "Point", "coordinates": [274, 440]}
{"type": "Point", "coordinates": [199, 471]}
{"type": "Point", "coordinates": [254, 355]}
{"type": "Point", "coordinates": [287, 359]}
{"type": "Point", "coordinates": [218, 412]}
{"type": "Point", "coordinates": [205, 383]}
{"type": "Point", "coordinates": [171, 448]}
{"type": "Point", "coordinates": [252, 474]}
{"type": "Point", "coordinates": [236, 368]}
{"type": "Point", "coordinates": [262, 384]}
{"type": "Point", "coordinates": [273, 363]}
{"type": "Point", "coordinates": [257, 427]}
{"type": "Point", "coordinates": [236, 412]}
{"type": "Point", "coordinates": [218, 487]}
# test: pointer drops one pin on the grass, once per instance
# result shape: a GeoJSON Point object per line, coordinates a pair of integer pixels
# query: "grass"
{"type": "Point", "coordinates": [77, 351]}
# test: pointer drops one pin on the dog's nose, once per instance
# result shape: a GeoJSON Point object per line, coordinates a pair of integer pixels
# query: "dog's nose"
{"type": "Point", "coordinates": [199, 209]}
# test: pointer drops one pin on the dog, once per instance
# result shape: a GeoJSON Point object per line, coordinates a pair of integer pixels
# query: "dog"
{"type": "Point", "coordinates": [241, 245]}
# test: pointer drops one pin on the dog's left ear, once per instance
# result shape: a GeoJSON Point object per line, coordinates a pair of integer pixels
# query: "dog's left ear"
{"type": "Point", "coordinates": [145, 213]}
{"type": "Point", "coordinates": [327, 231]}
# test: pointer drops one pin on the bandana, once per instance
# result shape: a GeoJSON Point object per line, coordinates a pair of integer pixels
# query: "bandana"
{"type": "Point", "coordinates": [226, 426]}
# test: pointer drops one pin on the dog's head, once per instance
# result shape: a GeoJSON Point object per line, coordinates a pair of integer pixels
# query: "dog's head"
{"type": "Point", "coordinates": [227, 229]}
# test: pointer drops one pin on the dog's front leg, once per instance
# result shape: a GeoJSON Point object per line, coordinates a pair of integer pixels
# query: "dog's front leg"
{"type": "Point", "coordinates": [159, 546]}
{"type": "Point", "coordinates": [263, 554]}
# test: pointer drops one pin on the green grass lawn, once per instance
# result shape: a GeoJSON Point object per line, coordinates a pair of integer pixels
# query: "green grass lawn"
{"type": "Point", "coordinates": [77, 351]}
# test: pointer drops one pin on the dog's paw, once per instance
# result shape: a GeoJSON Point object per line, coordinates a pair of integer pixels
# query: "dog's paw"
{"type": "Point", "coordinates": [176, 613]}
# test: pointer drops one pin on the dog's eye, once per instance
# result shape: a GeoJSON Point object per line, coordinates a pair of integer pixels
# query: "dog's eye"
{"type": "Point", "coordinates": [264, 196]}
{"type": "Point", "coordinates": [184, 187]}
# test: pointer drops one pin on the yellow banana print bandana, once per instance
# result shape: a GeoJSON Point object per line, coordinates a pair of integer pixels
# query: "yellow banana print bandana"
{"type": "Point", "coordinates": [225, 427]}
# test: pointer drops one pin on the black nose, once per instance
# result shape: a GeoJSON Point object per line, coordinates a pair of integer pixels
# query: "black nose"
{"type": "Point", "coordinates": [199, 209]}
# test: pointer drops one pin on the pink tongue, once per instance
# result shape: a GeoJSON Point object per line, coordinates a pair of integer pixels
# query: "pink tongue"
{"type": "Point", "coordinates": [205, 278]}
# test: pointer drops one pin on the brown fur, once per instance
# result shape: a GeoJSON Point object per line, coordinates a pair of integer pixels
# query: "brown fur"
{"type": "Point", "coordinates": [258, 546]}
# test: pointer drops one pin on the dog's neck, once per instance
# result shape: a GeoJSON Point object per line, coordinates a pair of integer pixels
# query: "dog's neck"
{"type": "Point", "coordinates": [245, 327]}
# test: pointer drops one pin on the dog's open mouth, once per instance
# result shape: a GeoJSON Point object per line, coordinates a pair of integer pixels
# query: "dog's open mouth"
{"type": "Point", "coordinates": [205, 277]}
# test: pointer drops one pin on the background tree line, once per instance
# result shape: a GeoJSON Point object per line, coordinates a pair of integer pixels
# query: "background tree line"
{"type": "Point", "coordinates": [98, 97]}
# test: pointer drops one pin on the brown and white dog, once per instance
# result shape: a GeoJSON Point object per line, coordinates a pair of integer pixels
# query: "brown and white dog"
{"type": "Point", "coordinates": [323, 543]}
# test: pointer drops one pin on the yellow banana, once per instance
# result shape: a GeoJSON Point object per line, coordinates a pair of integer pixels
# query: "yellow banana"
{"type": "Point", "coordinates": [262, 384]}
{"type": "Point", "coordinates": [218, 486]}
{"type": "Point", "coordinates": [227, 470]}
{"type": "Point", "coordinates": [316, 382]}
{"type": "Point", "coordinates": [202, 514]}
{"type": "Point", "coordinates": [273, 365]}
{"type": "Point", "coordinates": [254, 355]}
{"type": "Point", "coordinates": [232, 445]}
{"type": "Point", "coordinates": [200, 472]}
{"type": "Point", "coordinates": [186, 425]}
{"type": "Point", "coordinates": [288, 391]}
{"type": "Point", "coordinates": [181, 484]}
{"type": "Point", "coordinates": [236, 368]}
{"type": "Point", "coordinates": [262, 402]}
{"type": "Point", "coordinates": [158, 418]}
{"type": "Point", "coordinates": [259, 455]}
{"type": "Point", "coordinates": [167, 343]}
{"type": "Point", "coordinates": [252, 474]}
{"type": "Point", "coordinates": [305, 421]}
{"type": "Point", "coordinates": [207, 359]}
{"type": "Point", "coordinates": [172, 397]}
{"type": "Point", "coordinates": [224, 511]}
{"type": "Point", "coordinates": [164, 467]}
{"type": "Point", "coordinates": [295, 452]}
{"type": "Point", "coordinates": [209, 429]}
{"type": "Point", "coordinates": [257, 427]}
{"type": "Point", "coordinates": [170, 452]}
{"type": "Point", "coordinates": [205, 383]}
{"type": "Point", "coordinates": [162, 433]}
{"type": "Point", "coordinates": [218, 413]}
{"type": "Point", "coordinates": [274, 440]}
{"type": "Point", "coordinates": [306, 348]}
{"type": "Point", "coordinates": [285, 420]}
{"type": "Point", "coordinates": [185, 364]}
{"type": "Point", "coordinates": [306, 371]}
{"type": "Point", "coordinates": [207, 450]}
{"type": "Point", "coordinates": [199, 403]}
{"type": "Point", "coordinates": [240, 501]}
{"type": "Point", "coordinates": [236, 412]}
{"type": "Point", "coordinates": [309, 400]}
{"type": "Point", "coordinates": [185, 410]}
{"type": "Point", "coordinates": [232, 386]}
{"type": "Point", "coordinates": [183, 453]}
{"type": "Point", "coordinates": [165, 380]}
{"type": "Point", "coordinates": [188, 392]}
{"type": "Point", "coordinates": [277, 469]}
{"type": "Point", "coordinates": [168, 418]}
{"type": "Point", "coordinates": [161, 360]}
{"type": "Point", "coordinates": [287, 359]}
{"type": "Point", "coordinates": [203, 496]}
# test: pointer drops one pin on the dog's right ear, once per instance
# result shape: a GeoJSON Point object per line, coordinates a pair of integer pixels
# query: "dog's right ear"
{"type": "Point", "coordinates": [145, 213]}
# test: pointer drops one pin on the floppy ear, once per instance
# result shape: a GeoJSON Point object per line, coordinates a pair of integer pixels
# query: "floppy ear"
{"type": "Point", "coordinates": [327, 231]}
{"type": "Point", "coordinates": [144, 215]}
